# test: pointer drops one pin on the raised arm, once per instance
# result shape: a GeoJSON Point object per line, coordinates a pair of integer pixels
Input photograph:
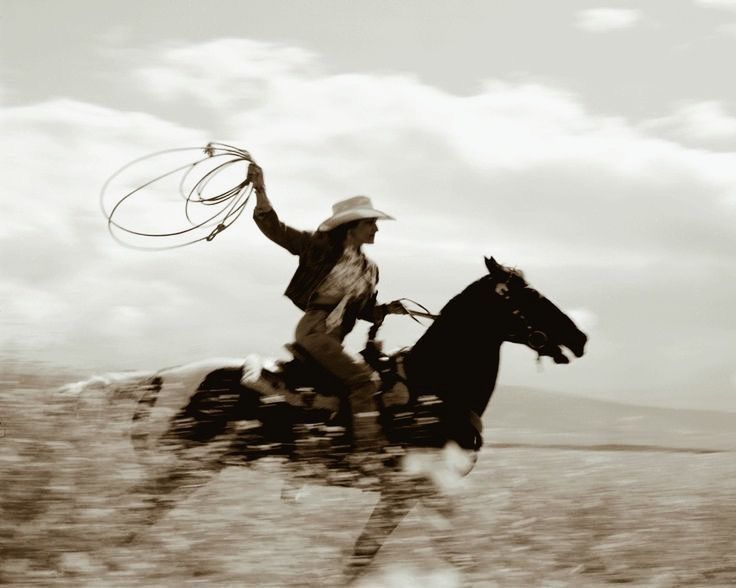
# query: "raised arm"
{"type": "Point", "coordinates": [268, 221]}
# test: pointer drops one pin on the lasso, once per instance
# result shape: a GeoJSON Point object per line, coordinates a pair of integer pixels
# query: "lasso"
{"type": "Point", "coordinates": [228, 205]}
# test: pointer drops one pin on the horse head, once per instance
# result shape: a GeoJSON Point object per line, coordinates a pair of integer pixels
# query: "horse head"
{"type": "Point", "coordinates": [532, 319]}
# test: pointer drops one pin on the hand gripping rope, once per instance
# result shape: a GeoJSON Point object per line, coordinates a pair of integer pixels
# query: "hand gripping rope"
{"type": "Point", "coordinates": [228, 205]}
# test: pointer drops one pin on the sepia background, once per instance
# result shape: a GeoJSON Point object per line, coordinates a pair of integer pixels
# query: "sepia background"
{"type": "Point", "coordinates": [590, 144]}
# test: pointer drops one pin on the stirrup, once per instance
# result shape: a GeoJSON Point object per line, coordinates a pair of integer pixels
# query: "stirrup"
{"type": "Point", "coordinates": [371, 438]}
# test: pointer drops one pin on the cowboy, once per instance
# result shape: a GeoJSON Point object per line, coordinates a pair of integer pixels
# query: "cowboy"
{"type": "Point", "coordinates": [334, 284]}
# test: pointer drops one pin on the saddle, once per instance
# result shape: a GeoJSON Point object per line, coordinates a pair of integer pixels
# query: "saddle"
{"type": "Point", "coordinates": [304, 372]}
{"type": "Point", "coordinates": [302, 382]}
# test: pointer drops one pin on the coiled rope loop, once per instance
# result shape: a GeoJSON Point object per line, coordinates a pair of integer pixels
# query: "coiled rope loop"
{"type": "Point", "coordinates": [228, 204]}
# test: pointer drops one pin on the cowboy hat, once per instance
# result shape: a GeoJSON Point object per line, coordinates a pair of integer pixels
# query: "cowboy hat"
{"type": "Point", "coordinates": [355, 208]}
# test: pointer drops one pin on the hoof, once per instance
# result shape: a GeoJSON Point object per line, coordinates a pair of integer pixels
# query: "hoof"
{"type": "Point", "coordinates": [354, 568]}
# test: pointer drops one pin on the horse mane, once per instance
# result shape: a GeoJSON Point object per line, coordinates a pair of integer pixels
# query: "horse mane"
{"type": "Point", "coordinates": [514, 272]}
{"type": "Point", "coordinates": [459, 306]}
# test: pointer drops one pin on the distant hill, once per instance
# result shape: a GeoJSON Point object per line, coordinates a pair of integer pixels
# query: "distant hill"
{"type": "Point", "coordinates": [522, 415]}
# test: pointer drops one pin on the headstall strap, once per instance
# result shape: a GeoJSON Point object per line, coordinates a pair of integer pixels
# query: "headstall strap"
{"type": "Point", "coordinates": [502, 289]}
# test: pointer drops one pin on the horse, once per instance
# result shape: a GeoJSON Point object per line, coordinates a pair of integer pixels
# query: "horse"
{"type": "Point", "coordinates": [432, 394]}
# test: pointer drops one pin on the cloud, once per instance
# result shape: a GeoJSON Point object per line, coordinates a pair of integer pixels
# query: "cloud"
{"type": "Point", "coordinates": [344, 132]}
{"type": "Point", "coordinates": [701, 124]}
{"type": "Point", "coordinates": [602, 20]}
{"type": "Point", "coordinates": [60, 273]}
{"type": "Point", "coordinates": [584, 318]}
{"type": "Point", "coordinates": [592, 207]}
{"type": "Point", "coordinates": [719, 4]}
{"type": "Point", "coordinates": [728, 28]}
{"type": "Point", "coordinates": [58, 155]}
{"type": "Point", "coordinates": [244, 71]}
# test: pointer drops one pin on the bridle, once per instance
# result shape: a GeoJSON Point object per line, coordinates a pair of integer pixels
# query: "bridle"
{"type": "Point", "coordinates": [532, 337]}
{"type": "Point", "coordinates": [535, 338]}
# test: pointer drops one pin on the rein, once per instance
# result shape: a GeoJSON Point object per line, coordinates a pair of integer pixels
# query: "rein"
{"type": "Point", "coordinates": [424, 313]}
{"type": "Point", "coordinates": [416, 313]}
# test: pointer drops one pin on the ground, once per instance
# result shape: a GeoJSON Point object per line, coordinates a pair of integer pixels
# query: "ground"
{"type": "Point", "coordinates": [563, 505]}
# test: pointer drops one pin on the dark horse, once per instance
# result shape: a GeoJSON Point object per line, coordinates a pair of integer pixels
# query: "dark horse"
{"type": "Point", "coordinates": [433, 393]}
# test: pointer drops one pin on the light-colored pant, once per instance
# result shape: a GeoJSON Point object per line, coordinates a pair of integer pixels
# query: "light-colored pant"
{"type": "Point", "coordinates": [326, 348]}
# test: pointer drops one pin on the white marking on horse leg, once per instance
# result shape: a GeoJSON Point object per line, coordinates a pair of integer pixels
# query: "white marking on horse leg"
{"type": "Point", "coordinates": [291, 491]}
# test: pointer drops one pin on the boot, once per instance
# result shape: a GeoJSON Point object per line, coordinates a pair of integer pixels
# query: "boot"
{"type": "Point", "coordinates": [368, 436]}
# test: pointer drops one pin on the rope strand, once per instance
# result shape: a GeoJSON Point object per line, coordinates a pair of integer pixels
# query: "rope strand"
{"type": "Point", "coordinates": [229, 204]}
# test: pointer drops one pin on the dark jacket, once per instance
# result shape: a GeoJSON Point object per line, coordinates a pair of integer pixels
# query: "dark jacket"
{"type": "Point", "coordinates": [317, 257]}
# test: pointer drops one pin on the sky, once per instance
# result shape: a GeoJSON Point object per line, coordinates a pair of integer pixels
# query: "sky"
{"type": "Point", "coordinates": [591, 144]}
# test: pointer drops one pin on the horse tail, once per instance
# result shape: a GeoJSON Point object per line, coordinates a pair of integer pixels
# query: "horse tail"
{"type": "Point", "coordinates": [140, 431]}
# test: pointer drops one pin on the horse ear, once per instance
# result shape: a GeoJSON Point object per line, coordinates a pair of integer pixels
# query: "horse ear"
{"type": "Point", "coordinates": [491, 264]}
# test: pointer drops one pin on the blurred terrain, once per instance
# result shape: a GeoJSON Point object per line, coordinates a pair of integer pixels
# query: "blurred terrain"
{"type": "Point", "coordinates": [567, 491]}
{"type": "Point", "coordinates": [532, 416]}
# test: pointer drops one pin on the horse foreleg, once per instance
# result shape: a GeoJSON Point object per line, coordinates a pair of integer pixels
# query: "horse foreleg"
{"type": "Point", "coordinates": [390, 510]}
{"type": "Point", "coordinates": [443, 531]}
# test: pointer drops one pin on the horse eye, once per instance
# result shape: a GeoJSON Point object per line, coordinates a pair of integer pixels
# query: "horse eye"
{"type": "Point", "coordinates": [501, 288]}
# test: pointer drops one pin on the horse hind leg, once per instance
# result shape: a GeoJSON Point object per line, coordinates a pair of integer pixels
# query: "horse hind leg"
{"type": "Point", "coordinates": [191, 451]}
{"type": "Point", "coordinates": [390, 510]}
{"type": "Point", "coordinates": [187, 464]}
{"type": "Point", "coordinates": [162, 491]}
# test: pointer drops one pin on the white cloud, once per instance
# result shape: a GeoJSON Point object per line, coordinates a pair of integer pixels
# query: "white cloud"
{"type": "Point", "coordinates": [223, 71]}
{"type": "Point", "coordinates": [728, 28]}
{"type": "Point", "coordinates": [723, 4]}
{"type": "Point", "coordinates": [601, 20]}
{"type": "Point", "coordinates": [704, 123]}
{"type": "Point", "coordinates": [584, 318]}
{"type": "Point", "coordinates": [521, 171]}
{"type": "Point", "coordinates": [60, 273]}
{"type": "Point", "coordinates": [342, 134]}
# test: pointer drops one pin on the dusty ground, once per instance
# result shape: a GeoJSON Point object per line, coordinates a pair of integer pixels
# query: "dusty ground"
{"type": "Point", "coordinates": [541, 508]}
